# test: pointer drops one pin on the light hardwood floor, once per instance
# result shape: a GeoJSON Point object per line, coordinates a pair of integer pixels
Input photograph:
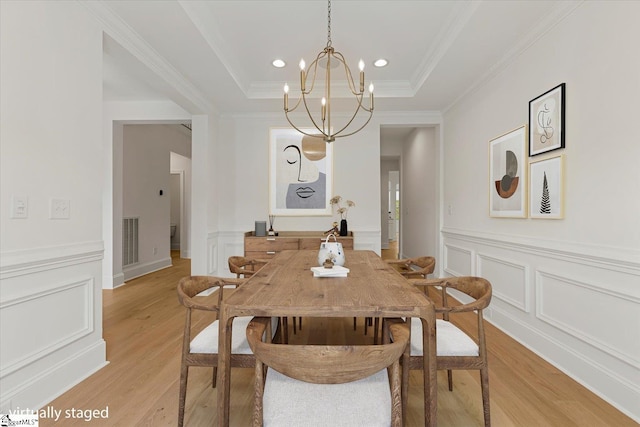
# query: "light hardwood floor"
{"type": "Point", "coordinates": [143, 324]}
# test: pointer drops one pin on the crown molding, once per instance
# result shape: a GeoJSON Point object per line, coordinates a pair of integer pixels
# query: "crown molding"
{"type": "Point", "coordinates": [130, 40]}
{"type": "Point", "coordinates": [557, 14]}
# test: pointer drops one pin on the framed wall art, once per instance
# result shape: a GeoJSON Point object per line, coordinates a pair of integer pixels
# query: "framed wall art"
{"type": "Point", "coordinates": [300, 173]}
{"type": "Point", "coordinates": [546, 194]}
{"type": "Point", "coordinates": [546, 121]}
{"type": "Point", "coordinates": [508, 175]}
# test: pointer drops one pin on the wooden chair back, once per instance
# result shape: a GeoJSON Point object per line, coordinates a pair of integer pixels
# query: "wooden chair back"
{"type": "Point", "coordinates": [415, 267]}
{"type": "Point", "coordinates": [328, 364]}
{"type": "Point", "coordinates": [245, 267]}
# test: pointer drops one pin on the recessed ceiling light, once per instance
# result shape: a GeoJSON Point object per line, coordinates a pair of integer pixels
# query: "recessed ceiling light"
{"type": "Point", "coordinates": [278, 63]}
{"type": "Point", "coordinates": [381, 62]}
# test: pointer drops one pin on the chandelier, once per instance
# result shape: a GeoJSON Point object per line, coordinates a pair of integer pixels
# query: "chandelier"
{"type": "Point", "coordinates": [327, 59]}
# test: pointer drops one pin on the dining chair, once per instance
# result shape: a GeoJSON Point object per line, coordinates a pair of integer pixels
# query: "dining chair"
{"type": "Point", "coordinates": [346, 385]}
{"type": "Point", "coordinates": [455, 348]}
{"type": "Point", "coordinates": [197, 293]}
{"type": "Point", "coordinates": [413, 268]}
{"type": "Point", "coordinates": [245, 267]}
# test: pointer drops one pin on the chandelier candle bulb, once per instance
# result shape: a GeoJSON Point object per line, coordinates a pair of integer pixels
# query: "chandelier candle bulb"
{"type": "Point", "coordinates": [371, 96]}
{"type": "Point", "coordinates": [324, 108]}
{"type": "Point", "coordinates": [302, 76]}
{"type": "Point", "coordinates": [361, 66]}
{"type": "Point", "coordinates": [286, 97]}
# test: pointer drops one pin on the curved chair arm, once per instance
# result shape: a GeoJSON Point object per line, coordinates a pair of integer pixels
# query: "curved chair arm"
{"type": "Point", "coordinates": [232, 281]}
{"type": "Point", "coordinates": [190, 286]}
{"type": "Point", "coordinates": [240, 265]}
{"type": "Point", "coordinates": [429, 282]}
{"type": "Point", "coordinates": [414, 267]}
{"type": "Point", "coordinates": [479, 304]}
{"type": "Point", "coordinates": [476, 287]}
{"type": "Point", "coordinates": [406, 262]}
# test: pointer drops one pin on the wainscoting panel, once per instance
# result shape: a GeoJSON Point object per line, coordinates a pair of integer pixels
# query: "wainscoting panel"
{"type": "Point", "coordinates": [213, 263]}
{"type": "Point", "coordinates": [70, 314]}
{"type": "Point", "coordinates": [509, 280]}
{"type": "Point", "coordinates": [50, 322]}
{"type": "Point", "coordinates": [577, 307]}
{"type": "Point", "coordinates": [458, 261]}
{"type": "Point", "coordinates": [595, 320]}
{"type": "Point", "coordinates": [230, 249]}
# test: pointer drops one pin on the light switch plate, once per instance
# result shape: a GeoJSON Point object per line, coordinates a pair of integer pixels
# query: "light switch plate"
{"type": "Point", "coordinates": [59, 209]}
{"type": "Point", "coordinates": [19, 207]}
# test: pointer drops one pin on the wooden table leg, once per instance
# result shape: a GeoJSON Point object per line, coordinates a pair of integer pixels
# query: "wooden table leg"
{"type": "Point", "coordinates": [224, 367]}
{"type": "Point", "coordinates": [430, 370]}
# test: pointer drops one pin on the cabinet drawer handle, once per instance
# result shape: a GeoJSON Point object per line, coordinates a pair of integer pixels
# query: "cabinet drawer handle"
{"type": "Point", "coordinates": [271, 238]}
{"type": "Point", "coordinates": [271, 252]}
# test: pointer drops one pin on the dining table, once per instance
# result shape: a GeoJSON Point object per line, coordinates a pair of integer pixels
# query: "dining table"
{"type": "Point", "coordinates": [286, 286]}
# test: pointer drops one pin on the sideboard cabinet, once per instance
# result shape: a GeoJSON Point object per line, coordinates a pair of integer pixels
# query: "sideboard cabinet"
{"type": "Point", "coordinates": [266, 247]}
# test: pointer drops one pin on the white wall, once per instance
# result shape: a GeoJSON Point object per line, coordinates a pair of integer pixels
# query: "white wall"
{"type": "Point", "coordinates": [146, 172]}
{"type": "Point", "coordinates": [567, 289]}
{"type": "Point", "coordinates": [51, 132]}
{"type": "Point", "coordinates": [418, 198]}
{"type": "Point", "coordinates": [244, 199]}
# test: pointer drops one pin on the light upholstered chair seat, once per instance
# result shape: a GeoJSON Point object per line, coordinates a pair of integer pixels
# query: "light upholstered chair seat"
{"type": "Point", "coordinates": [451, 341]}
{"type": "Point", "coordinates": [366, 402]}
{"type": "Point", "coordinates": [207, 340]}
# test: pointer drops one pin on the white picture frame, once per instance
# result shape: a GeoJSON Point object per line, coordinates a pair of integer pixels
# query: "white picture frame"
{"type": "Point", "coordinates": [546, 192]}
{"type": "Point", "coordinates": [300, 174]}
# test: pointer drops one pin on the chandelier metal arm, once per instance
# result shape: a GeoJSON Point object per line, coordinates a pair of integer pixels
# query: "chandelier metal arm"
{"type": "Point", "coordinates": [347, 70]}
{"type": "Point", "coordinates": [324, 126]}
{"type": "Point", "coordinates": [305, 133]}
{"type": "Point", "coordinates": [360, 107]}
{"type": "Point", "coordinates": [313, 65]}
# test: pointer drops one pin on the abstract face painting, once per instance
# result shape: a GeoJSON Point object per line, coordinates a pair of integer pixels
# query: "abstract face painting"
{"type": "Point", "coordinates": [300, 174]}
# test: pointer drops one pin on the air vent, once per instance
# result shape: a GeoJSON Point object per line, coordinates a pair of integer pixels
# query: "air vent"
{"type": "Point", "coordinates": [129, 241]}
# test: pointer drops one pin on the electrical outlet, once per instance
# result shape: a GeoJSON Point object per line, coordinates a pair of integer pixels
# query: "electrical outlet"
{"type": "Point", "coordinates": [19, 207]}
{"type": "Point", "coordinates": [155, 251]}
{"type": "Point", "coordinates": [59, 209]}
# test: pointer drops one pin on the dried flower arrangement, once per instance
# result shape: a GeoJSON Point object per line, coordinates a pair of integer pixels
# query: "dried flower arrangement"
{"type": "Point", "coordinates": [335, 201]}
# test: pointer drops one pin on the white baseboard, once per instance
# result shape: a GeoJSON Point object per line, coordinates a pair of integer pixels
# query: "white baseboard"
{"type": "Point", "coordinates": [146, 268]}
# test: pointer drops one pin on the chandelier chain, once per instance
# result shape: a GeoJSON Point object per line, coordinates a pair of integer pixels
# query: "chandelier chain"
{"type": "Point", "coordinates": [329, 24]}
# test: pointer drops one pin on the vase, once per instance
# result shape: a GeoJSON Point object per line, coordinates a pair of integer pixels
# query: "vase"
{"type": "Point", "coordinates": [343, 227]}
